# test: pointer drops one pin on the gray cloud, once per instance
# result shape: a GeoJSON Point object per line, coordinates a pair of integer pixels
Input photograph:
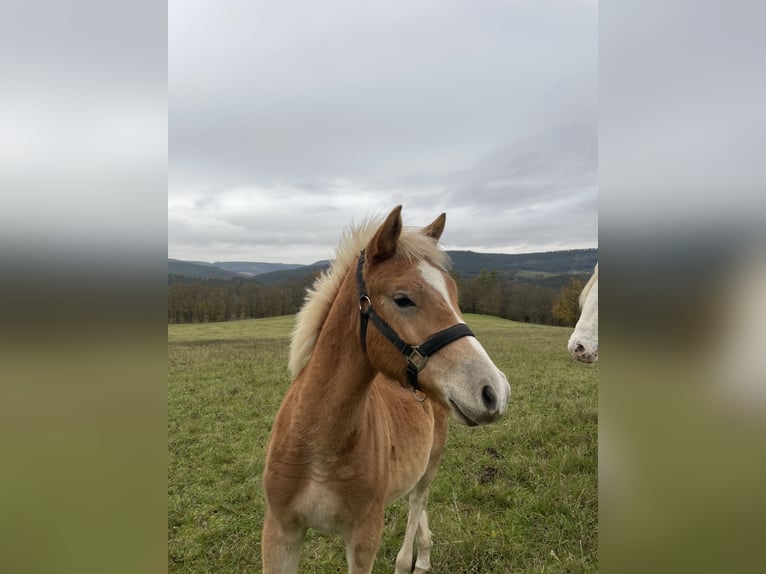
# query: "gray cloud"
{"type": "Point", "coordinates": [288, 121]}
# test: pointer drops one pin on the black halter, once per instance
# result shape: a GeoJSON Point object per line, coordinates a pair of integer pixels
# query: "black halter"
{"type": "Point", "coordinates": [417, 355]}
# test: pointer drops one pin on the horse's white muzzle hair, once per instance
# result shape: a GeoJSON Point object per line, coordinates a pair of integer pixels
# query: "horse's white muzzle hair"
{"type": "Point", "coordinates": [488, 404]}
{"type": "Point", "coordinates": [475, 389]}
{"type": "Point", "coordinates": [583, 349]}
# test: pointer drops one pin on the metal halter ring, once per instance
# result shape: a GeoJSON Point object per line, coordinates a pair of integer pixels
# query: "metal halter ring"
{"type": "Point", "coordinates": [362, 299]}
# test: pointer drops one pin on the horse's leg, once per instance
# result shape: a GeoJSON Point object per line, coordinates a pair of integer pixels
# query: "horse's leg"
{"type": "Point", "coordinates": [280, 547]}
{"type": "Point", "coordinates": [363, 542]}
{"type": "Point", "coordinates": [424, 542]}
{"type": "Point", "coordinates": [417, 505]}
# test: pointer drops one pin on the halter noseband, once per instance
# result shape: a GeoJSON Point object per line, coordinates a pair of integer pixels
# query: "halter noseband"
{"type": "Point", "coordinates": [417, 355]}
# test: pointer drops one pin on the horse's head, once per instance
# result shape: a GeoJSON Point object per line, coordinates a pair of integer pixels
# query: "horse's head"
{"type": "Point", "coordinates": [583, 344]}
{"type": "Point", "coordinates": [409, 290]}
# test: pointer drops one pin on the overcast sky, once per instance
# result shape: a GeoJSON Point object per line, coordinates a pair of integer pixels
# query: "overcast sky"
{"type": "Point", "coordinates": [290, 120]}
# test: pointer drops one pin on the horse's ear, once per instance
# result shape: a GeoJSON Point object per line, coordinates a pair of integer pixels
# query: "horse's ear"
{"type": "Point", "coordinates": [436, 228]}
{"type": "Point", "coordinates": [383, 244]}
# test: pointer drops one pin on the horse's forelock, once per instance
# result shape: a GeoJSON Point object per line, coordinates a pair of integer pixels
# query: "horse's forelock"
{"type": "Point", "coordinates": [412, 245]}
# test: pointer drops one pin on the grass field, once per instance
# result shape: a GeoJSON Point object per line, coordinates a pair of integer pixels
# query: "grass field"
{"type": "Point", "coordinates": [516, 496]}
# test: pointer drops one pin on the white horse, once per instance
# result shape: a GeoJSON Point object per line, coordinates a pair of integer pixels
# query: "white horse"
{"type": "Point", "coordinates": [583, 344]}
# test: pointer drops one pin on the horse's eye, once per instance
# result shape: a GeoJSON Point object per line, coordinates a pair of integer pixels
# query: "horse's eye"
{"type": "Point", "coordinates": [403, 301]}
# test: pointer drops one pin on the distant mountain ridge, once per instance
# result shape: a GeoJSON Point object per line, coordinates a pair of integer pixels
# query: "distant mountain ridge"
{"type": "Point", "coordinates": [225, 269]}
{"type": "Point", "coordinates": [198, 269]}
{"type": "Point", "coordinates": [551, 267]}
{"type": "Point", "coordinates": [571, 261]}
{"type": "Point", "coordinates": [253, 268]}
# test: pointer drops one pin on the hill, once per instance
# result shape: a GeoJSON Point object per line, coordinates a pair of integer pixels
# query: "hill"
{"type": "Point", "coordinates": [550, 269]}
{"type": "Point", "coordinates": [225, 269]}
{"type": "Point", "coordinates": [525, 266]}
{"type": "Point", "coordinates": [198, 270]}
{"type": "Point", "coordinates": [254, 268]}
{"type": "Point", "coordinates": [295, 274]}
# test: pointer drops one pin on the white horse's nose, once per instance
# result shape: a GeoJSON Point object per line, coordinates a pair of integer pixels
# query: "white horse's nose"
{"type": "Point", "coordinates": [583, 354]}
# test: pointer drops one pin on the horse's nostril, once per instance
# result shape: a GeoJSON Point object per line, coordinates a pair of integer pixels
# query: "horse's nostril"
{"type": "Point", "coordinates": [489, 398]}
{"type": "Point", "coordinates": [579, 349]}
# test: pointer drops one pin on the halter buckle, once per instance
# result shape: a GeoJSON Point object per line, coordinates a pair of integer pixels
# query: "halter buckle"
{"type": "Point", "coordinates": [416, 359]}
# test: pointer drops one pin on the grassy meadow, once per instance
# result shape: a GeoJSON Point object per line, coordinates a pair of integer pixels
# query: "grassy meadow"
{"type": "Point", "coordinates": [519, 495]}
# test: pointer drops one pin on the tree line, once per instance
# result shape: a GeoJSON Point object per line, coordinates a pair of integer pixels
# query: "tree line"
{"type": "Point", "coordinates": [210, 300]}
{"type": "Point", "coordinates": [489, 294]}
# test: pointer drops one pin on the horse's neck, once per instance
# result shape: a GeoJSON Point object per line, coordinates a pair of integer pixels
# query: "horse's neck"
{"type": "Point", "coordinates": [335, 384]}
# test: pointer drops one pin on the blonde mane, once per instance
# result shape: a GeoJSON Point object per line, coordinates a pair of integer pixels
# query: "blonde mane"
{"type": "Point", "coordinates": [412, 245]}
{"type": "Point", "coordinates": [591, 282]}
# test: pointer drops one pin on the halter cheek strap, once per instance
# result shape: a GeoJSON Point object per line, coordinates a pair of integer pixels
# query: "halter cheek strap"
{"type": "Point", "coordinates": [417, 355]}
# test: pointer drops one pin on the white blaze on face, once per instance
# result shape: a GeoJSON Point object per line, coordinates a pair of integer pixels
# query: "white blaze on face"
{"type": "Point", "coordinates": [435, 278]}
{"type": "Point", "coordinates": [467, 372]}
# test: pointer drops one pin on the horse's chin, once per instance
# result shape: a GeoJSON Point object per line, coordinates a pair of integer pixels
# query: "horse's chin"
{"type": "Point", "coordinates": [586, 358]}
{"type": "Point", "coordinates": [460, 416]}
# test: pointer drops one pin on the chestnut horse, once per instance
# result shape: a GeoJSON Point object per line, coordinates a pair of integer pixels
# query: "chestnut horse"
{"type": "Point", "coordinates": [583, 344]}
{"type": "Point", "coordinates": [354, 431]}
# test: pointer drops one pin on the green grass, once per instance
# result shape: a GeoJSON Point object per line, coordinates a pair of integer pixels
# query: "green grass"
{"type": "Point", "coordinates": [516, 496]}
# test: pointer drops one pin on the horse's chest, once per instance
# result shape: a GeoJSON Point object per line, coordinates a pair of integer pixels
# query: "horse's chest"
{"type": "Point", "coordinates": [324, 493]}
{"type": "Point", "coordinates": [321, 507]}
